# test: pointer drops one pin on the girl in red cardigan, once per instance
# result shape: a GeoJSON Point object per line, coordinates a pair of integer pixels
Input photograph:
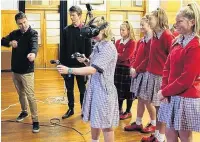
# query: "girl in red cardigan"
{"type": "Point", "coordinates": [159, 50]}
{"type": "Point", "coordinates": [140, 62]}
{"type": "Point", "coordinates": [181, 77]}
{"type": "Point", "coordinates": [125, 48]}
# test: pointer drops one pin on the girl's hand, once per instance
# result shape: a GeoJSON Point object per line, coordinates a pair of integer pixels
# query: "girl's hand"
{"type": "Point", "coordinates": [81, 59]}
{"type": "Point", "coordinates": [133, 72]}
{"type": "Point", "coordinates": [162, 98]}
{"type": "Point", "coordinates": [62, 69]}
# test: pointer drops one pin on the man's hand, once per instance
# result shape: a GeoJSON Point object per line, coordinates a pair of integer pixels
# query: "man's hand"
{"type": "Point", "coordinates": [13, 43]}
{"type": "Point", "coordinates": [31, 57]}
{"type": "Point", "coordinates": [62, 69]}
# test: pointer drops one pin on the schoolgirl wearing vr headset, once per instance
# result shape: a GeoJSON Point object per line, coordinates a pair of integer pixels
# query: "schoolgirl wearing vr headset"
{"type": "Point", "coordinates": [100, 104]}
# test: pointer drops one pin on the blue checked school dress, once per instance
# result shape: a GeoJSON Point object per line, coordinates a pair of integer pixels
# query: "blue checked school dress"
{"type": "Point", "coordinates": [100, 104]}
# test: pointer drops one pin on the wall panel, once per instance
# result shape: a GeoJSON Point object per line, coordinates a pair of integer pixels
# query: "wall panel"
{"type": "Point", "coordinates": [8, 24]}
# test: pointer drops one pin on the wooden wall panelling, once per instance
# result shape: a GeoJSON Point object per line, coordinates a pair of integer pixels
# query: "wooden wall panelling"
{"type": "Point", "coordinates": [171, 8]}
{"type": "Point", "coordinates": [8, 24]}
{"type": "Point", "coordinates": [52, 52]}
{"type": "Point", "coordinates": [42, 2]}
{"type": "Point", "coordinates": [116, 19]}
{"type": "Point", "coordinates": [42, 5]}
{"type": "Point", "coordinates": [6, 60]}
{"type": "Point", "coordinates": [126, 5]}
{"type": "Point", "coordinates": [132, 12]}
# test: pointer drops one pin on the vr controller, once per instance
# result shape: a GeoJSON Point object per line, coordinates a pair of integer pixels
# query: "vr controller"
{"type": "Point", "coordinates": [73, 56]}
{"type": "Point", "coordinates": [76, 55]}
{"type": "Point", "coordinates": [57, 62]}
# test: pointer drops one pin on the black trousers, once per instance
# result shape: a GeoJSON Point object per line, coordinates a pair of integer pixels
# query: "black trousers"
{"type": "Point", "coordinates": [69, 83]}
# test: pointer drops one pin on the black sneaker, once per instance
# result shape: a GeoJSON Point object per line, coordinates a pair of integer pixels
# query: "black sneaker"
{"type": "Point", "coordinates": [36, 127]}
{"type": "Point", "coordinates": [22, 115]}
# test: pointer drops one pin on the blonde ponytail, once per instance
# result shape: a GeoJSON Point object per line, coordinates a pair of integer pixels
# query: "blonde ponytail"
{"type": "Point", "coordinates": [192, 11]}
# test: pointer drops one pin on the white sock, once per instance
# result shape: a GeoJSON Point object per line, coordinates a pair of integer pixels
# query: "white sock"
{"type": "Point", "coordinates": [156, 134]}
{"type": "Point", "coordinates": [153, 122]}
{"type": "Point", "coordinates": [138, 120]}
{"type": "Point", "coordinates": [95, 140]}
{"type": "Point", "coordinates": [161, 137]}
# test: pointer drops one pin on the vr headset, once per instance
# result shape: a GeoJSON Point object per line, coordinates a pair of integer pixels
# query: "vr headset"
{"type": "Point", "coordinates": [90, 30]}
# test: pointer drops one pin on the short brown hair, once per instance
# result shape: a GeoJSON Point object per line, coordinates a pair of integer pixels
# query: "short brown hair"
{"type": "Point", "coordinates": [76, 9]}
{"type": "Point", "coordinates": [19, 15]}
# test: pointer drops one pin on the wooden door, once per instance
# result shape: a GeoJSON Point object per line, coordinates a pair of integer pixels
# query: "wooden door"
{"type": "Point", "coordinates": [47, 24]}
{"type": "Point", "coordinates": [36, 21]}
{"type": "Point", "coordinates": [52, 37]}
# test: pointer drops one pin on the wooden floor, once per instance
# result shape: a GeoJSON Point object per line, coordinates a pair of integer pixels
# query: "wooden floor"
{"type": "Point", "coordinates": [49, 91]}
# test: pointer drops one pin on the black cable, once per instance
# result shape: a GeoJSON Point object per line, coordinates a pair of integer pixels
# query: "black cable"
{"type": "Point", "coordinates": [54, 122]}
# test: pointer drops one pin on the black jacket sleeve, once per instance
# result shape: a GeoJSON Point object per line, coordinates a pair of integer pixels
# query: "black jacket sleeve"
{"type": "Point", "coordinates": [5, 40]}
{"type": "Point", "coordinates": [34, 42]}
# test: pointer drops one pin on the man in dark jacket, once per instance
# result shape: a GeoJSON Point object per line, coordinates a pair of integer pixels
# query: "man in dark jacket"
{"type": "Point", "coordinates": [73, 42]}
{"type": "Point", "coordinates": [24, 43]}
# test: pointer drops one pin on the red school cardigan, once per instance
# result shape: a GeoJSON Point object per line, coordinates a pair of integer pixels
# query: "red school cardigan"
{"type": "Point", "coordinates": [125, 52]}
{"type": "Point", "coordinates": [159, 50]}
{"type": "Point", "coordinates": [141, 56]}
{"type": "Point", "coordinates": [182, 70]}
